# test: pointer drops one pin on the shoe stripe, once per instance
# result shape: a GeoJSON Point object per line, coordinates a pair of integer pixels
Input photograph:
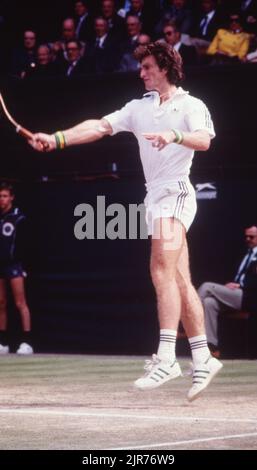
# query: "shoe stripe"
{"type": "Point", "coordinates": [164, 371]}
{"type": "Point", "coordinates": [207, 360]}
{"type": "Point", "coordinates": [158, 375]}
{"type": "Point", "coordinates": [195, 376]}
{"type": "Point", "coordinates": [154, 379]}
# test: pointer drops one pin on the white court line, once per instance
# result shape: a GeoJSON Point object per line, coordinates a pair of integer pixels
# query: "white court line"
{"type": "Point", "coordinates": [40, 411]}
{"type": "Point", "coordinates": [191, 441]}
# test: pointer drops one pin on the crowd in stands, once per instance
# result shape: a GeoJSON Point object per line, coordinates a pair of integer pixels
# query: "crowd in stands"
{"type": "Point", "coordinates": [100, 36]}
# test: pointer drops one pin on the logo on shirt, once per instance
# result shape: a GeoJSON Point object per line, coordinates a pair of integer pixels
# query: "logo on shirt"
{"type": "Point", "coordinates": [7, 229]}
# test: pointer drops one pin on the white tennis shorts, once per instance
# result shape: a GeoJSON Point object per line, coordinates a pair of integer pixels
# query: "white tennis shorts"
{"type": "Point", "coordinates": [170, 199]}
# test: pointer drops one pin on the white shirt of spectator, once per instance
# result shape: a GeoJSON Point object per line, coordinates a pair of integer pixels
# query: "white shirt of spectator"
{"type": "Point", "coordinates": [205, 22]}
{"type": "Point", "coordinates": [71, 67]}
{"type": "Point", "coordinates": [134, 39]}
{"type": "Point", "coordinates": [100, 41]}
{"type": "Point", "coordinates": [126, 7]}
{"type": "Point", "coordinates": [183, 112]}
{"type": "Point", "coordinates": [177, 46]}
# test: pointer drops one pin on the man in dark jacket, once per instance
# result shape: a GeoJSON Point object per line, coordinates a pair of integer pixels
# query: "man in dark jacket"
{"type": "Point", "coordinates": [241, 293]}
{"type": "Point", "coordinates": [11, 269]}
{"type": "Point", "coordinates": [172, 36]}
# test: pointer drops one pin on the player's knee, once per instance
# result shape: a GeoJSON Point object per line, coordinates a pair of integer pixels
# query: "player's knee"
{"type": "Point", "coordinates": [161, 272]}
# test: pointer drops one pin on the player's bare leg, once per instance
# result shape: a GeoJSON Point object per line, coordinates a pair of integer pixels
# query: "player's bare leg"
{"type": "Point", "coordinates": [205, 367]}
{"type": "Point", "coordinates": [167, 243]}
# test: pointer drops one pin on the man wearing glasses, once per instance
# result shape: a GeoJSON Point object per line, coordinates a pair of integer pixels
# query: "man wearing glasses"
{"type": "Point", "coordinates": [172, 36]}
{"type": "Point", "coordinates": [75, 65]}
{"type": "Point", "coordinates": [240, 293]}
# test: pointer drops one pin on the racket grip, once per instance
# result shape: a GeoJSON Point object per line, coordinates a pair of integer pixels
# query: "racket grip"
{"type": "Point", "coordinates": [24, 132]}
{"type": "Point", "coordinates": [28, 135]}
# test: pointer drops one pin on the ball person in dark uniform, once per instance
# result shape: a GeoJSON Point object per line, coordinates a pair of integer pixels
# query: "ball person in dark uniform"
{"type": "Point", "coordinates": [11, 270]}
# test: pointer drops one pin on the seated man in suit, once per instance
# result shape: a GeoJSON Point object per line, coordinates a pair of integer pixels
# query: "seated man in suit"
{"type": "Point", "coordinates": [75, 65]}
{"type": "Point", "coordinates": [241, 293]}
{"type": "Point", "coordinates": [172, 36]}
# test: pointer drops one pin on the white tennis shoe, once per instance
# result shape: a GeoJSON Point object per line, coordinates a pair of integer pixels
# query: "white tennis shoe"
{"type": "Point", "coordinates": [202, 376]}
{"type": "Point", "coordinates": [157, 373]}
{"type": "Point", "coordinates": [4, 350]}
{"type": "Point", "coordinates": [24, 349]}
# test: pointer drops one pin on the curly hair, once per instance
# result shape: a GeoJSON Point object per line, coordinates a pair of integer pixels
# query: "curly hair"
{"type": "Point", "coordinates": [166, 57]}
{"type": "Point", "coordinates": [6, 187]}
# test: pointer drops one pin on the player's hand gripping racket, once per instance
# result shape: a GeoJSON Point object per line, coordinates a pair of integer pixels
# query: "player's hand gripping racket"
{"type": "Point", "coordinates": [19, 129]}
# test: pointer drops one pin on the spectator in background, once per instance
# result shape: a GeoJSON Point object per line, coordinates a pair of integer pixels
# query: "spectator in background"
{"type": "Point", "coordinates": [44, 67]}
{"type": "Point", "coordinates": [229, 45]}
{"type": "Point", "coordinates": [172, 36]}
{"type": "Point", "coordinates": [147, 12]}
{"type": "Point", "coordinates": [102, 54]}
{"type": "Point", "coordinates": [11, 270]}
{"type": "Point", "coordinates": [128, 61]}
{"type": "Point", "coordinates": [206, 26]}
{"type": "Point", "coordinates": [116, 24]}
{"type": "Point", "coordinates": [240, 293]}
{"type": "Point", "coordinates": [68, 34]}
{"type": "Point", "coordinates": [75, 64]}
{"type": "Point", "coordinates": [178, 11]}
{"type": "Point", "coordinates": [24, 58]}
{"type": "Point", "coordinates": [133, 27]}
{"type": "Point", "coordinates": [248, 13]}
{"type": "Point", "coordinates": [84, 21]}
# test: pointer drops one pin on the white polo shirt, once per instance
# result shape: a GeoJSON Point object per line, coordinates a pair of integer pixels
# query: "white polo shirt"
{"type": "Point", "coordinates": [182, 112]}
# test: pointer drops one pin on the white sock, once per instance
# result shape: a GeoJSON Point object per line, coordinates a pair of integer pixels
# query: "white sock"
{"type": "Point", "coordinates": [166, 350]}
{"type": "Point", "coordinates": [199, 349]}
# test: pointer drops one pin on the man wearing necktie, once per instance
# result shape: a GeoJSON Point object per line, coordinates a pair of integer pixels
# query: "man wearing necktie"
{"type": "Point", "coordinates": [204, 24]}
{"type": "Point", "coordinates": [240, 293]}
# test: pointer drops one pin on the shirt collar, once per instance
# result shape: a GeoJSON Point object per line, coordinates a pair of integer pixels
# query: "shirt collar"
{"type": "Point", "coordinates": [179, 92]}
{"type": "Point", "coordinates": [210, 14]}
{"type": "Point", "coordinates": [177, 46]}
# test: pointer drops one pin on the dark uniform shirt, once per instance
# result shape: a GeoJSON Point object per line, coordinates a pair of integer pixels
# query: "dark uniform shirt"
{"type": "Point", "coordinates": [11, 237]}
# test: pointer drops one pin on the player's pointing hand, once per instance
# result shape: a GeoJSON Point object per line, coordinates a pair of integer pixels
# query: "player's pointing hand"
{"type": "Point", "coordinates": [159, 140]}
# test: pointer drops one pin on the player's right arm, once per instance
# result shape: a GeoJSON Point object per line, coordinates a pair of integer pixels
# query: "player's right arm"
{"type": "Point", "coordinates": [83, 133]}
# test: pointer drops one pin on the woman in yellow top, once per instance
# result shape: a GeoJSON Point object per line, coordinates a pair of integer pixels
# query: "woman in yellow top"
{"type": "Point", "coordinates": [230, 45]}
